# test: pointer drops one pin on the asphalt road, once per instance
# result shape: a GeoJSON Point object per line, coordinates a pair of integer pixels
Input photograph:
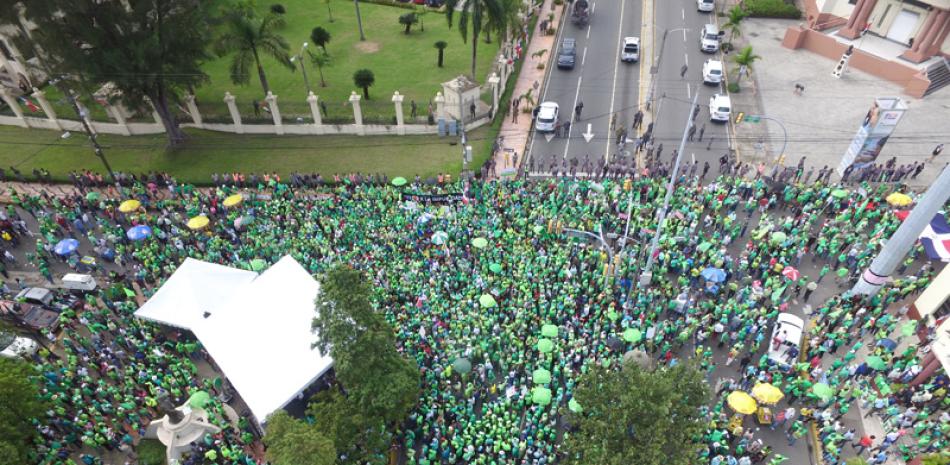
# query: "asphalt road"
{"type": "Point", "coordinates": [681, 23]}
{"type": "Point", "coordinates": [604, 84]}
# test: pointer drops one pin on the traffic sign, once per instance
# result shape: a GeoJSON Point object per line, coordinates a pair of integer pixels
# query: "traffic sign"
{"type": "Point", "coordinates": [752, 119]}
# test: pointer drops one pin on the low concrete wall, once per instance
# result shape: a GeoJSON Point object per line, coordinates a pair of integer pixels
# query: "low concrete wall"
{"type": "Point", "coordinates": [914, 82]}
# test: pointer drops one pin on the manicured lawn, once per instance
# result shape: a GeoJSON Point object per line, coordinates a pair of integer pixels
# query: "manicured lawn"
{"type": "Point", "coordinates": [406, 63]}
{"type": "Point", "coordinates": [209, 152]}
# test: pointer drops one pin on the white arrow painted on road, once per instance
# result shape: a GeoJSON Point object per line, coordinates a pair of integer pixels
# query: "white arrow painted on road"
{"type": "Point", "coordinates": [549, 136]}
{"type": "Point", "coordinates": [588, 135]}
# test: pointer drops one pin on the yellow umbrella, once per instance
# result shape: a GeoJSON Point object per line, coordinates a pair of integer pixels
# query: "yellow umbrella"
{"type": "Point", "coordinates": [198, 222]}
{"type": "Point", "coordinates": [767, 393]}
{"type": "Point", "coordinates": [233, 200]}
{"type": "Point", "coordinates": [129, 206]}
{"type": "Point", "coordinates": [898, 199]}
{"type": "Point", "coordinates": [741, 402]}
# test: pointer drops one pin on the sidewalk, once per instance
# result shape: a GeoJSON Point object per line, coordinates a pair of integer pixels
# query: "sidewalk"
{"type": "Point", "coordinates": [513, 136]}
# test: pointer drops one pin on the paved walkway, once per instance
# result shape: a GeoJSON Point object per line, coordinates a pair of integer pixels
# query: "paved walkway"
{"type": "Point", "coordinates": [513, 137]}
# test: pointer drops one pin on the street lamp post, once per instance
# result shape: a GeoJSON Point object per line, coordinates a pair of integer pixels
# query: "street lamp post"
{"type": "Point", "coordinates": [359, 20]}
{"type": "Point", "coordinates": [647, 276]}
{"type": "Point", "coordinates": [303, 65]}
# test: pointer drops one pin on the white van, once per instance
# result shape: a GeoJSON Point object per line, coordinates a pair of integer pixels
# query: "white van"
{"type": "Point", "coordinates": [13, 346]}
{"type": "Point", "coordinates": [79, 282]}
{"type": "Point", "coordinates": [705, 5]}
{"type": "Point", "coordinates": [785, 344]}
{"type": "Point", "coordinates": [709, 38]}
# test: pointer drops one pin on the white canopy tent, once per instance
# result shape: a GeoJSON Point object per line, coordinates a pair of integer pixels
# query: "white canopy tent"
{"type": "Point", "coordinates": [260, 334]}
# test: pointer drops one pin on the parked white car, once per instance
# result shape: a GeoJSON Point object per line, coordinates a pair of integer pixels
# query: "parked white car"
{"type": "Point", "coordinates": [547, 117]}
{"type": "Point", "coordinates": [712, 72]}
{"type": "Point", "coordinates": [720, 107]}
{"type": "Point", "coordinates": [13, 346]}
{"type": "Point", "coordinates": [705, 5]}
{"type": "Point", "coordinates": [709, 38]}
{"type": "Point", "coordinates": [785, 344]}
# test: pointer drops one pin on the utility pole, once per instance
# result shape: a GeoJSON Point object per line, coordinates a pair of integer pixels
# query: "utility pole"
{"type": "Point", "coordinates": [92, 135]}
{"type": "Point", "coordinates": [359, 20]}
{"type": "Point", "coordinates": [646, 277]}
{"type": "Point", "coordinates": [904, 238]}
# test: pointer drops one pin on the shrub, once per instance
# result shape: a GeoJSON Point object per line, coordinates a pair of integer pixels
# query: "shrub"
{"type": "Point", "coordinates": [278, 9]}
{"type": "Point", "coordinates": [733, 87]}
{"type": "Point", "coordinates": [771, 9]}
{"type": "Point", "coordinates": [151, 452]}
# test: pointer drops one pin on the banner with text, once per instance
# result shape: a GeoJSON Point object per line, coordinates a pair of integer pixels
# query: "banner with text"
{"type": "Point", "coordinates": [878, 124]}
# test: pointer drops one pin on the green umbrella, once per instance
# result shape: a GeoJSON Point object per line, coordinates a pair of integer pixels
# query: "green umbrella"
{"type": "Point", "coordinates": [199, 399]}
{"type": "Point", "coordinates": [545, 345]}
{"type": "Point", "coordinates": [823, 390]}
{"type": "Point", "coordinates": [541, 395]}
{"type": "Point", "coordinates": [538, 229]}
{"type": "Point", "coordinates": [876, 363]}
{"type": "Point", "coordinates": [908, 328]}
{"type": "Point", "coordinates": [487, 301]}
{"type": "Point", "coordinates": [778, 237]}
{"type": "Point", "coordinates": [480, 242]}
{"type": "Point", "coordinates": [839, 193]}
{"type": "Point", "coordinates": [541, 376]}
{"type": "Point", "coordinates": [93, 196]}
{"type": "Point", "coordinates": [462, 365]}
{"type": "Point", "coordinates": [399, 181]}
{"type": "Point", "coordinates": [258, 264]}
{"type": "Point", "coordinates": [632, 335]}
{"type": "Point", "coordinates": [439, 237]}
{"type": "Point", "coordinates": [549, 331]}
{"type": "Point", "coordinates": [703, 247]}
{"type": "Point", "coordinates": [612, 315]}
{"type": "Point", "coordinates": [574, 406]}
{"type": "Point", "coordinates": [495, 268]}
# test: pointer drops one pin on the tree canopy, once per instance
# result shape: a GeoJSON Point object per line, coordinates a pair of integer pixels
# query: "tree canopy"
{"type": "Point", "coordinates": [148, 50]}
{"type": "Point", "coordinates": [381, 385]}
{"type": "Point", "coordinates": [295, 442]}
{"type": "Point", "coordinates": [20, 402]}
{"type": "Point", "coordinates": [638, 416]}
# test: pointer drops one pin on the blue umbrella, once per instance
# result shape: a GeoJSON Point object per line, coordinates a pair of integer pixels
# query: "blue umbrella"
{"type": "Point", "coordinates": [888, 344]}
{"type": "Point", "coordinates": [66, 247]}
{"type": "Point", "coordinates": [138, 233]}
{"type": "Point", "coordinates": [716, 275]}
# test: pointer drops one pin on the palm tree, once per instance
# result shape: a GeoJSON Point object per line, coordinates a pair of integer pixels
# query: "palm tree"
{"type": "Point", "coordinates": [735, 17]}
{"type": "Point", "coordinates": [745, 58]}
{"type": "Point", "coordinates": [441, 44]}
{"type": "Point", "coordinates": [320, 36]}
{"type": "Point", "coordinates": [473, 14]}
{"type": "Point", "coordinates": [247, 37]}
{"type": "Point", "coordinates": [364, 78]}
{"type": "Point", "coordinates": [502, 24]}
{"type": "Point", "coordinates": [320, 60]}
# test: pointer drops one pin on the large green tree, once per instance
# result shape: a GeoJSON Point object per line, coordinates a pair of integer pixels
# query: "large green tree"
{"type": "Point", "coordinates": [295, 442]}
{"type": "Point", "coordinates": [380, 384]}
{"type": "Point", "coordinates": [249, 35]}
{"type": "Point", "coordinates": [357, 436]}
{"type": "Point", "coordinates": [148, 50]}
{"type": "Point", "coordinates": [632, 415]}
{"type": "Point", "coordinates": [473, 14]}
{"type": "Point", "coordinates": [505, 22]}
{"type": "Point", "coordinates": [20, 402]}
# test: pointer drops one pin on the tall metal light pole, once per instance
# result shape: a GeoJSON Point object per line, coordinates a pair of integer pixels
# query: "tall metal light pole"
{"type": "Point", "coordinates": [92, 135]}
{"type": "Point", "coordinates": [647, 276]}
{"type": "Point", "coordinates": [906, 235]}
{"type": "Point", "coordinates": [359, 20]}
{"type": "Point", "coordinates": [303, 65]}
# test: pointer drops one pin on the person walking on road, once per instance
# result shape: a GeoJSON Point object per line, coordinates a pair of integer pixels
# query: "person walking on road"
{"type": "Point", "coordinates": [691, 133]}
{"type": "Point", "coordinates": [638, 119]}
{"type": "Point", "coordinates": [701, 131]}
{"type": "Point", "coordinates": [578, 109]}
{"type": "Point", "coordinates": [937, 150]}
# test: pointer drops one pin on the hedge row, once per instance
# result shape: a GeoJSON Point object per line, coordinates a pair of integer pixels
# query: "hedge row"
{"type": "Point", "coordinates": [771, 9]}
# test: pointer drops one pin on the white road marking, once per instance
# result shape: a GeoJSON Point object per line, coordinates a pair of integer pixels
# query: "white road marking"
{"type": "Point", "coordinates": [584, 56]}
{"type": "Point", "coordinates": [689, 93]}
{"type": "Point", "coordinates": [588, 31]}
{"type": "Point", "coordinates": [694, 157]}
{"type": "Point", "coordinates": [592, 6]}
{"type": "Point", "coordinates": [613, 90]}
{"type": "Point", "coordinates": [684, 35]}
{"type": "Point", "coordinates": [683, 11]}
{"type": "Point", "coordinates": [687, 58]}
{"type": "Point", "coordinates": [577, 95]}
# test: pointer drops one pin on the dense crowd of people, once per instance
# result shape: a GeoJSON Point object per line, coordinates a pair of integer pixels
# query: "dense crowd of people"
{"type": "Point", "coordinates": [429, 276]}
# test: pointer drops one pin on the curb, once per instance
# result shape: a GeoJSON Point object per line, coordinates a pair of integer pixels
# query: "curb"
{"type": "Point", "coordinates": [527, 154]}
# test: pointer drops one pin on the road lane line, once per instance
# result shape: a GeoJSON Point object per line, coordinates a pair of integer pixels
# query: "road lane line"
{"type": "Point", "coordinates": [577, 95]}
{"type": "Point", "coordinates": [584, 56]}
{"type": "Point", "coordinates": [613, 90]}
{"type": "Point", "coordinates": [687, 58]}
{"type": "Point", "coordinates": [689, 93]}
{"type": "Point", "coordinates": [588, 31]}
{"type": "Point", "coordinates": [683, 12]}
{"type": "Point", "coordinates": [592, 6]}
{"type": "Point", "coordinates": [684, 34]}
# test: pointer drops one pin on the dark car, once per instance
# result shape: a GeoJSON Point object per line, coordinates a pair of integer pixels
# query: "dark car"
{"type": "Point", "coordinates": [568, 54]}
{"type": "Point", "coordinates": [29, 315]}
